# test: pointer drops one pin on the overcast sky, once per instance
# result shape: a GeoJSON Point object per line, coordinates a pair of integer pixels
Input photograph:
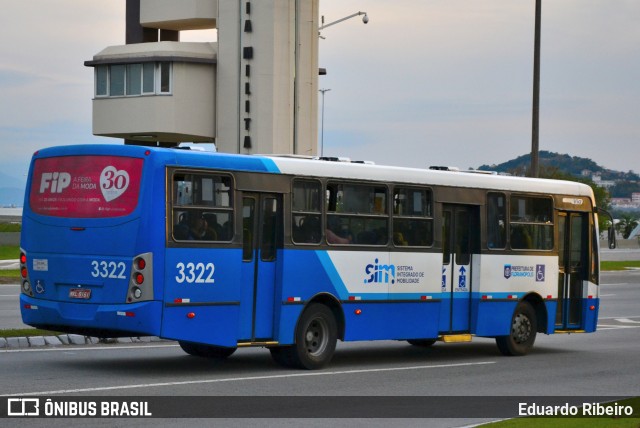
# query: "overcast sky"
{"type": "Point", "coordinates": [425, 82]}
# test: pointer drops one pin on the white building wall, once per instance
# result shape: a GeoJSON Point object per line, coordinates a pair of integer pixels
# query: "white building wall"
{"type": "Point", "coordinates": [282, 81]}
{"type": "Point", "coordinates": [267, 103]}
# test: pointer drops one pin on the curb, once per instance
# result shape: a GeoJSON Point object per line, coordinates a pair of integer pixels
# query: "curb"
{"type": "Point", "coordinates": [68, 340]}
{"type": "Point", "coordinates": [9, 265]}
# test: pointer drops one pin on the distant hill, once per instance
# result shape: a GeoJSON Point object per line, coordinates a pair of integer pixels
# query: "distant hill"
{"type": "Point", "coordinates": [573, 165]}
{"type": "Point", "coordinates": [625, 182]}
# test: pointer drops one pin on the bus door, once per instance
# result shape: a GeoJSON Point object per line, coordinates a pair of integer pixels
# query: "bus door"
{"type": "Point", "coordinates": [460, 239]}
{"type": "Point", "coordinates": [261, 228]}
{"type": "Point", "coordinates": [573, 259]}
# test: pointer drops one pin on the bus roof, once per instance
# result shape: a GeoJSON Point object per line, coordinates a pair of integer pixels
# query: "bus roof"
{"type": "Point", "coordinates": [322, 168]}
{"type": "Point", "coordinates": [468, 179]}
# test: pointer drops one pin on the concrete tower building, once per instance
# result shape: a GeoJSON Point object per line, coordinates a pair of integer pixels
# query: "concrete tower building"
{"type": "Point", "coordinates": [254, 90]}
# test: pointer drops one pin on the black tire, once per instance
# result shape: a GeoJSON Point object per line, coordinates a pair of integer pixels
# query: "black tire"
{"type": "Point", "coordinates": [206, 351]}
{"type": "Point", "coordinates": [524, 326]}
{"type": "Point", "coordinates": [422, 343]}
{"type": "Point", "coordinates": [284, 356]}
{"type": "Point", "coordinates": [315, 340]}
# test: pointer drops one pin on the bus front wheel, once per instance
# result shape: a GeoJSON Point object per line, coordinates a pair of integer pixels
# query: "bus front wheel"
{"type": "Point", "coordinates": [206, 351]}
{"type": "Point", "coordinates": [523, 332]}
{"type": "Point", "coordinates": [315, 340]}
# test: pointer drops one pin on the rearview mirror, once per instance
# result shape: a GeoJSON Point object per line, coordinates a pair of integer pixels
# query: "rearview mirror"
{"type": "Point", "coordinates": [611, 237]}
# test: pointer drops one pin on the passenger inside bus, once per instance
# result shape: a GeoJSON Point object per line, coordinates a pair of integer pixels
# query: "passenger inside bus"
{"type": "Point", "coordinates": [199, 229]}
{"type": "Point", "coordinates": [336, 232]}
{"type": "Point", "coordinates": [333, 238]}
{"type": "Point", "coordinates": [308, 230]}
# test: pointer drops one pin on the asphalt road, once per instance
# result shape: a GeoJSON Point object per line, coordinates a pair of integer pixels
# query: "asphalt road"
{"type": "Point", "coordinates": [604, 363]}
{"type": "Point", "coordinates": [619, 254]}
{"type": "Point", "coordinates": [10, 307]}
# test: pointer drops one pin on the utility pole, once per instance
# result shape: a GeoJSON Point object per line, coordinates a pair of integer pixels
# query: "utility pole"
{"type": "Point", "coordinates": [322, 123]}
{"type": "Point", "coordinates": [535, 129]}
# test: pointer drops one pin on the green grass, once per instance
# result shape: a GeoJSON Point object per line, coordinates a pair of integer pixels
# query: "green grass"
{"type": "Point", "coordinates": [619, 265]}
{"type": "Point", "coordinates": [573, 422]}
{"type": "Point", "coordinates": [10, 273]}
{"type": "Point", "coordinates": [9, 252]}
{"type": "Point", "coordinates": [27, 332]}
{"type": "Point", "coordinates": [10, 227]}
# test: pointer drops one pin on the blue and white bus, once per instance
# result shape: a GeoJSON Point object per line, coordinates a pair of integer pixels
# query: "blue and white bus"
{"type": "Point", "coordinates": [223, 251]}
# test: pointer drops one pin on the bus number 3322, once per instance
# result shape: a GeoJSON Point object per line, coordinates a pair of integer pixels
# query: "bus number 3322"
{"type": "Point", "coordinates": [105, 269]}
{"type": "Point", "coordinates": [199, 273]}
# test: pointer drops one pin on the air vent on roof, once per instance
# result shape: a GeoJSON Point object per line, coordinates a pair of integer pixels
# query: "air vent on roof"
{"type": "Point", "coordinates": [334, 159]}
{"type": "Point", "coordinates": [444, 168]}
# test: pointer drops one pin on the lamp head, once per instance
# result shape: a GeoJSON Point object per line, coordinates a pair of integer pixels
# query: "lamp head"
{"type": "Point", "coordinates": [365, 18]}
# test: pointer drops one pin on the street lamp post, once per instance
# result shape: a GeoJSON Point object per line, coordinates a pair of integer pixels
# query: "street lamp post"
{"type": "Point", "coordinates": [322, 123]}
{"type": "Point", "coordinates": [365, 19]}
{"type": "Point", "coordinates": [535, 127]}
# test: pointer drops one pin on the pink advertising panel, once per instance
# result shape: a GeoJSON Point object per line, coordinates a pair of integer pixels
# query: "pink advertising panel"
{"type": "Point", "coordinates": [85, 186]}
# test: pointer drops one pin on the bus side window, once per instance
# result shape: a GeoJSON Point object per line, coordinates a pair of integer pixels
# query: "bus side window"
{"type": "Point", "coordinates": [496, 221]}
{"type": "Point", "coordinates": [202, 207]}
{"type": "Point", "coordinates": [306, 224]}
{"type": "Point", "coordinates": [181, 228]}
{"type": "Point", "coordinates": [530, 223]}
{"type": "Point", "coordinates": [412, 218]}
{"type": "Point", "coordinates": [357, 214]}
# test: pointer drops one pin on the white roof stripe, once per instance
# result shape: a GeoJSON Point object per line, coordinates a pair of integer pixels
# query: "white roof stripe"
{"type": "Point", "coordinates": [345, 170]}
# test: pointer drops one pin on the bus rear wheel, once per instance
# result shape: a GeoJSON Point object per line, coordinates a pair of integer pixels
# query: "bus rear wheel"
{"type": "Point", "coordinates": [206, 351]}
{"type": "Point", "coordinates": [315, 340]}
{"type": "Point", "coordinates": [523, 332]}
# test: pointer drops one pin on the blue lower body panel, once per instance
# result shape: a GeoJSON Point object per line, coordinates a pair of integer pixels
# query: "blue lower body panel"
{"type": "Point", "coordinates": [493, 318]}
{"type": "Point", "coordinates": [289, 315]}
{"type": "Point", "coordinates": [213, 325]}
{"type": "Point", "coordinates": [141, 319]}
{"type": "Point", "coordinates": [380, 321]}
{"type": "Point", "coordinates": [589, 315]}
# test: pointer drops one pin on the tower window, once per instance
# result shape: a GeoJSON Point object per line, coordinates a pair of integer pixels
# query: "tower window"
{"type": "Point", "coordinates": [131, 80]}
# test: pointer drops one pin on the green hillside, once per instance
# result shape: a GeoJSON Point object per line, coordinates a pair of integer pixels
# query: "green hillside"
{"type": "Point", "coordinates": [626, 182]}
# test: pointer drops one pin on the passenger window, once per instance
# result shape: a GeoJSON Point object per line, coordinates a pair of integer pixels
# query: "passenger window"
{"type": "Point", "coordinates": [357, 214]}
{"type": "Point", "coordinates": [306, 221]}
{"type": "Point", "coordinates": [496, 221]}
{"type": "Point", "coordinates": [412, 217]}
{"type": "Point", "coordinates": [531, 223]}
{"type": "Point", "coordinates": [202, 208]}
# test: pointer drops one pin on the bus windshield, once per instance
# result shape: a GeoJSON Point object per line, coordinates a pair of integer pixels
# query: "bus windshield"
{"type": "Point", "coordinates": [85, 186]}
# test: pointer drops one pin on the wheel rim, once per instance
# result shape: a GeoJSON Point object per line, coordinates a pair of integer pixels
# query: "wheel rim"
{"type": "Point", "coordinates": [521, 330]}
{"type": "Point", "coordinates": [316, 337]}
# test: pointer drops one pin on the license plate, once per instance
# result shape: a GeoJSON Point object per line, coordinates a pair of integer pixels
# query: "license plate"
{"type": "Point", "coordinates": [80, 293]}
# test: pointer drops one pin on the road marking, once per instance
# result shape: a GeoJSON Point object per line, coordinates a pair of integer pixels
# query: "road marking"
{"type": "Point", "coordinates": [627, 321]}
{"type": "Point", "coordinates": [243, 379]}
{"type": "Point", "coordinates": [607, 295]}
{"type": "Point", "coordinates": [615, 327]}
{"type": "Point", "coordinates": [620, 316]}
